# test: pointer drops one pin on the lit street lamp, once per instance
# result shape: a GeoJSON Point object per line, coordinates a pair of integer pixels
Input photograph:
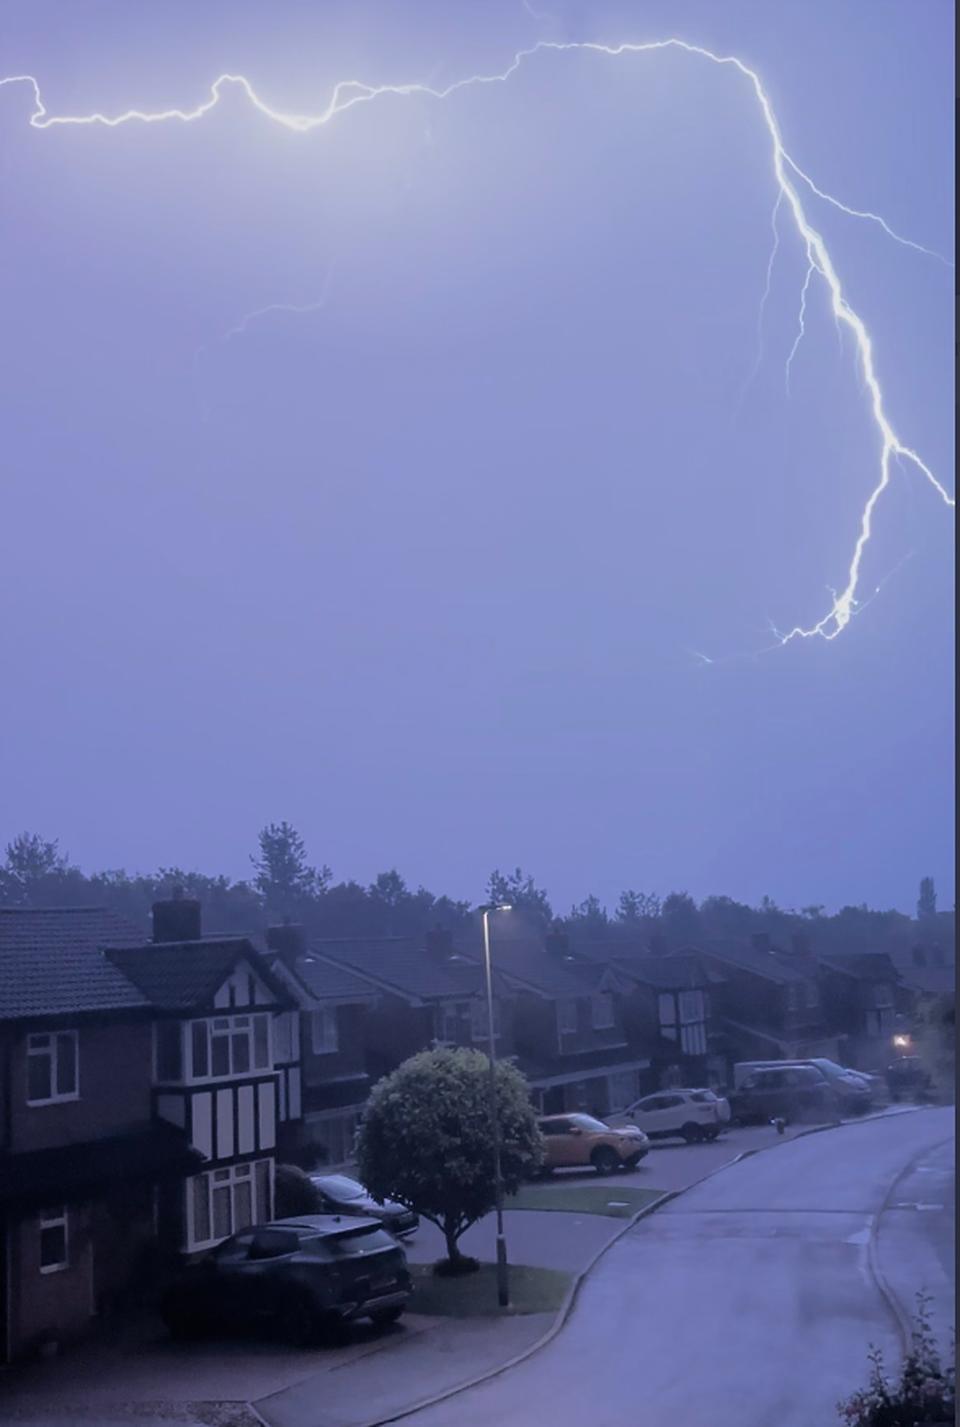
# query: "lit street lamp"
{"type": "Point", "coordinates": [503, 1288]}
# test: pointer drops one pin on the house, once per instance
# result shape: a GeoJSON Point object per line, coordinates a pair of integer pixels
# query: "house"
{"type": "Point", "coordinates": [325, 1041]}
{"type": "Point", "coordinates": [83, 1157]}
{"type": "Point", "coordinates": [139, 1104]}
{"type": "Point", "coordinates": [429, 993]}
{"type": "Point", "coordinates": [859, 995]}
{"type": "Point", "coordinates": [570, 1033]}
{"type": "Point", "coordinates": [767, 1001]}
{"type": "Point", "coordinates": [670, 1013]}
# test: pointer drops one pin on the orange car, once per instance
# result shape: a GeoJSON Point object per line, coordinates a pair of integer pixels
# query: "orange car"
{"type": "Point", "coordinates": [571, 1140]}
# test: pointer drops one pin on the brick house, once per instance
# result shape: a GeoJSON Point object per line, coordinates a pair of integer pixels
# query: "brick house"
{"type": "Point", "coordinates": [669, 1014]}
{"type": "Point", "coordinates": [859, 994]}
{"type": "Point", "coordinates": [767, 1001]}
{"type": "Point", "coordinates": [570, 1025]}
{"type": "Point", "coordinates": [328, 1034]}
{"type": "Point", "coordinates": [428, 993]}
{"type": "Point", "coordinates": [74, 1129]}
{"type": "Point", "coordinates": [139, 1106]}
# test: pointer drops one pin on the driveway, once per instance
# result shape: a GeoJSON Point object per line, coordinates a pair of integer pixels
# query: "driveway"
{"type": "Point", "coordinates": [750, 1300]}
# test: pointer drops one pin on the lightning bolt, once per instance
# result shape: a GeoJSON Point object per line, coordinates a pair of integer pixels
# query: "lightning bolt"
{"type": "Point", "coordinates": [801, 321]}
{"type": "Point", "coordinates": [348, 93]}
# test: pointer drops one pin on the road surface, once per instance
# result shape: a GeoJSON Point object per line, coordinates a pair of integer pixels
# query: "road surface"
{"type": "Point", "coordinates": [748, 1301]}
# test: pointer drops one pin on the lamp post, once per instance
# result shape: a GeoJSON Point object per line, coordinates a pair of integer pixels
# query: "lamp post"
{"type": "Point", "coordinates": [503, 1285]}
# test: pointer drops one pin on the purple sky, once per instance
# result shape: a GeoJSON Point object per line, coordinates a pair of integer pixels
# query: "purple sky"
{"type": "Point", "coordinates": [423, 570]}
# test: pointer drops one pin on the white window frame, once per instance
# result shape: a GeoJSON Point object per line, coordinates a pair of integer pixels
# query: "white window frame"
{"type": "Point", "coordinates": [691, 1007]}
{"type": "Point", "coordinates": [228, 1176]}
{"type": "Point", "coordinates": [324, 1031]}
{"type": "Point", "coordinates": [51, 1220]}
{"type": "Point", "coordinates": [45, 1043]}
{"type": "Point", "coordinates": [286, 1037]}
{"type": "Point", "coordinates": [234, 1023]}
{"type": "Point", "coordinates": [568, 1016]}
{"type": "Point", "coordinates": [667, 1014]}
{"type": "Point", "coordinates": [602, 1011]}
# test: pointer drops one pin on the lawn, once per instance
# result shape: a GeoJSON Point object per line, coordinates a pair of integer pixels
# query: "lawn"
{"type": "Point", "coordinates": [616, 1203]}
{"type": "Point", "coordinates": [532, 1290]}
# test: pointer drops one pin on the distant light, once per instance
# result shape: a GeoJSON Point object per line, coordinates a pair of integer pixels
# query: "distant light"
{"type": "Point", "coordinates": [901, 1040]}
{"type": "Point", "coordinates": [504, 907]}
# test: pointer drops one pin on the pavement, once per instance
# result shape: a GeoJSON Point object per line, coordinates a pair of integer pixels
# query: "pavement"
{"type": "Point", "coordinates": [380, 1373]}
{"type": "Point", "coordinates": [751, 1299]}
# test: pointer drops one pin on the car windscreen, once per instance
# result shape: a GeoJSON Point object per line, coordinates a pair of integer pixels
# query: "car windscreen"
{"type": "Point", "coordinates": [587, 1122]}
{"type": "Point", "coordinates": [346, 1243]}
{"type": "Point", "coordinates": [339, 1186]}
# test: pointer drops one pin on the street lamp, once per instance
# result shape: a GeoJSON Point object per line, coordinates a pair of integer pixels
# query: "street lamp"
{"type": "Point", "coordinates": [503, 1287]}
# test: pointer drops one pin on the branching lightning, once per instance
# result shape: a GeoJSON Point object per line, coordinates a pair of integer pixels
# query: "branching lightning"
{"type": "Point", "coordinates": [349, 93]}
{"type": "Point", "coordinates": [801, 320]}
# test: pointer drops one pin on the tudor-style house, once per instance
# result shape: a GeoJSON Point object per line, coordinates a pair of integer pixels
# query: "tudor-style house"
{"type": "Point", "coordinates": [214, 1074]}
{"type": "Point", "coordinates": [138, 1107]}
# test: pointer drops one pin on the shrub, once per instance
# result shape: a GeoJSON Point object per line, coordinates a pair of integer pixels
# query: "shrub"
{"type": "Point", "coordinates": [924, 1395]}
{"type": "Point", "coordinates": [293, 1193]}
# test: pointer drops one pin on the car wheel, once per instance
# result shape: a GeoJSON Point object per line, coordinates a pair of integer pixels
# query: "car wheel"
{"type": "Point", "coordinates": [298, 1322]}
{"type": "Point", "coordinates": [692, 1133]}
{"type": "Point", "coordinates": [605, 1160]}
{"type": "Point", "coordinates": [382, 1317]}
{"type": "Point", "coordinates": [634, 1160]}
{"type": "Point", "coordinates": [711, 1135]}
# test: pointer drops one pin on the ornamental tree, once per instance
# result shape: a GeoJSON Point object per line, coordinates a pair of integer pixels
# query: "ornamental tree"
{"type": "Point", "coordinates": [426, 1139]}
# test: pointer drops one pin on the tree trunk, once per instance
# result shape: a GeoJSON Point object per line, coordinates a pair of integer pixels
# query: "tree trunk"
{"type": "Point", "coordinates": [453, 1251]}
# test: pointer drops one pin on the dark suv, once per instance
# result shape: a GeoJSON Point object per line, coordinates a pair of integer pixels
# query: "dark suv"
{"type": "Point", "coordinates": [292, 1275]}
{"type": "Point", "coordinates": [794, 1092]}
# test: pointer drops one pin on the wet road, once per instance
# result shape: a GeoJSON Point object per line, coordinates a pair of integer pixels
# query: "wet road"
{"type": "Point", "coordinates": [750, 1300]}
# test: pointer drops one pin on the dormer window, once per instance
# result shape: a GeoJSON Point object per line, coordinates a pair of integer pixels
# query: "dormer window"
{"type": "Point", "coordinates": [602, 1012]}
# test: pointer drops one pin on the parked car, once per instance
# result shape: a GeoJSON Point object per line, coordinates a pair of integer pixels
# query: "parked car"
{"type": "Point", "coordinates": [296, 1276]}
{"type": "Point", "coordinates": [341, 1195]}
{"type": "Point", "coordinates": [908, 1076]}
{"type": "Point", "coordinates": [582, 1140]}
{"type": "Point", "coordinates": [854, 1091]}
{"type": "Point", "coordinates": [691, 1115]}
{"type": "Point", "coordinates": [787, 1092]}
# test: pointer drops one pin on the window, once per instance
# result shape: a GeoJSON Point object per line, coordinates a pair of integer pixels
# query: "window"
{"type": "Point", "coordinates": [813, 995]}
{"type": "Point", "coordinates": [622, 1089]}
{"type": "Point", "coordinates": [668, 1015]}
{"type": "Point", "coordinates": [568, 1017]}
{"type": "Point", "coordinates": [693, 1039]}
{"type": "Point", "coordinates": [691, 1007]}
{"type": "Point", "coordinates": [882, 996]}
{"type": "Point", "coordinates": [323, 1026]}
{"type": "Point", "coordinates": [601, 1009]}
{"type": "Point", "coordinates": [224, 1201]}
{"type": "Point", "coordinates": [479, 1026]}
{"type": "Point", "coordinates": [793, 996]}
{"type": "Point", "coordinates": [52, 1067]}
{"type": "Point", "coordinates": [285, 1037]}
{"type": "Point", "coordinates": [53, 1240]}
{"type": "Point", "coordinates": [168, 1039]}
{"type": "Point", "coordinates": [556, 1127]}
{"type": "Point", "coordinates": [230, 1045]}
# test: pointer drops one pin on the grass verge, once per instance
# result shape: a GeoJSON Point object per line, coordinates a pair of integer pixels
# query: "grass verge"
{"type": "Point", "coordinates": [617, 1202]}
{"type": "Point", "coordinates": [532, 1290]}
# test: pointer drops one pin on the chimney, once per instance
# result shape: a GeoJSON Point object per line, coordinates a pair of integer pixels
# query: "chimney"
{"type": "Point", "coordinates": [761, 943]}
{"type": "Point", "coordinates": [288, 941]}
{"type": "Point", "coordinates": [177, 919]}
{"type": "Point", "coordinates": [799, 945]}
{"type": "Point", "coordinates": [439, 943]}
{"type": "Point", "coordinates": [557, 942]}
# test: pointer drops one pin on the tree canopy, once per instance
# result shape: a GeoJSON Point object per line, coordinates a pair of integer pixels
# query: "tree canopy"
{"type": "Point", "coordinates": [427, 1141]}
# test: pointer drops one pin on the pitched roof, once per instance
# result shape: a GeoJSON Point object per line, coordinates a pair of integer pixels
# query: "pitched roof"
{"type": "Point", "coordinates": [865, 965]}
{"type": "Point", "coordinates": [186, 975]}
{"type": "Point", "coordinates": [774, 965]}
{"type": "Point", "coordinates": [157, 1150]}
{"type": "Point", "coordinates": [52, 962]}
{"type": "Point", "coordinates": [404, 965]}
{"type": "Point", "coordinates": [313, 978]}
{"type": "Point", "coordinates": [527, 960]}
{"type": "Point", "coordinates": [683, 971]}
